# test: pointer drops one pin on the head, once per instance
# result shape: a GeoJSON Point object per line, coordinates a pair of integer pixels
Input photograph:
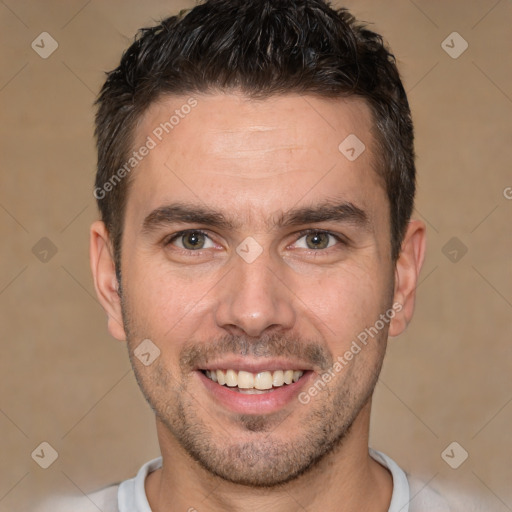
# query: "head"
{"type": "Point", "coordinates": [255, 181]}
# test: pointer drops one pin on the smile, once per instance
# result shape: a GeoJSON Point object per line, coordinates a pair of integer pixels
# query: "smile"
{"type": "Point", "coordinates": [253, 383]}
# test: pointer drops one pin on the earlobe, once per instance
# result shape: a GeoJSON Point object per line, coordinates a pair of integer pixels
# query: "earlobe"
{"type": "Point", "coordinates": [407, 270]}
{"type": "Point", "coordinates": [105, 281]}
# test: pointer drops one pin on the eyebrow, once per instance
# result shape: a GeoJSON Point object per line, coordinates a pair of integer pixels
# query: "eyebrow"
{"type": "Point", "coordinates": [344, 212]}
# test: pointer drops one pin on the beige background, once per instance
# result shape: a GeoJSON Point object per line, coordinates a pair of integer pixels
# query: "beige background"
{"type": "Point", "coordinates": [66, 382]}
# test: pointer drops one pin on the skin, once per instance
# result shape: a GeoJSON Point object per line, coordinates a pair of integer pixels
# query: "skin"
{"type": "Point", "coordinates": [253, 161]}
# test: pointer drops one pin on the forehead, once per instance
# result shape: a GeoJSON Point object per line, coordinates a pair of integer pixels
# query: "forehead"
{"type": "Point", "coordinates": [253, 154]}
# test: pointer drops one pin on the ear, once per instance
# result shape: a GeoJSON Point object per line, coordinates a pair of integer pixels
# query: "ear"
{"type": "Point", "coordinates": [407, 270]}
{"type": "Point", "coordinates": [105, 280]}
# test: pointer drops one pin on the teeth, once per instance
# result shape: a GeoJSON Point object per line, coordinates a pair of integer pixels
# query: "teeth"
{"type": "Point", "coordinates": [263, 380]}
{"type": "Point", "coordinates": [221, 378]}
{"type": "Point", "coordinates": [278, 378]}
{"type": "Point", "coordinates": [245, 380]}
{"type": "Point", "coordinates": [253, 391]}
{"type": "Point", "coordinates": [231, 379]}
{"type": "Point", "coordinates": [251, 383]}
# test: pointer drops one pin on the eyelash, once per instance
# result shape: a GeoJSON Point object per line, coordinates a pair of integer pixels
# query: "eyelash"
{"type": "Point", "coordinates": [341, 240]}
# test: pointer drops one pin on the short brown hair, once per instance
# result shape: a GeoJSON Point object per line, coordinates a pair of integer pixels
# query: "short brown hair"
{"type": "Point", "coordinates": [262, 48]}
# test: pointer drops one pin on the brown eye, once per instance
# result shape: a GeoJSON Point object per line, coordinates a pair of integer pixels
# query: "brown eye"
{"type": "Point", "coordinates": [317, 240]}
{"type": "Point", "coordinates": [320, 242]}
{"type": "Point", "coordinates": [191, 240]}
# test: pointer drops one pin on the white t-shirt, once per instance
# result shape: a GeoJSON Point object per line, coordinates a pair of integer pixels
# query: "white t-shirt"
{"type": "Point", "coordinates": [409, 494]}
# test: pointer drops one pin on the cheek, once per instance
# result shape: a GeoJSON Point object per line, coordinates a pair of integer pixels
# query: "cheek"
{"type": "Point", "coordinates": [343, 302]}
{"type": "Point", "coordinates": [163, 303]}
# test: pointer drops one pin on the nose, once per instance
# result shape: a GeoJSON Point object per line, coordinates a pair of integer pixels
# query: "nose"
{"type": "Point", "coordinates": [255, 298]}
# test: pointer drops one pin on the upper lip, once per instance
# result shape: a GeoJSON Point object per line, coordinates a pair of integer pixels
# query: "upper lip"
{"type": "Point", "coordinates": [255, 365]}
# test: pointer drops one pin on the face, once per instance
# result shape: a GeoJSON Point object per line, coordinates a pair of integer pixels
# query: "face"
{"type": "Point", "coordinates": [255, 252]}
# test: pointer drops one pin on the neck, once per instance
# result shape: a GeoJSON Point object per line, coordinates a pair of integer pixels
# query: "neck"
{"type": "Point", "coordinates": [347, 476]}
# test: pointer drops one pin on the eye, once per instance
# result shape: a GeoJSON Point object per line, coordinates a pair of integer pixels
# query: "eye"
{"type": "Point", "coordinates": [316, 240]}
{"type": "Point", "coordinates": [191, 240]}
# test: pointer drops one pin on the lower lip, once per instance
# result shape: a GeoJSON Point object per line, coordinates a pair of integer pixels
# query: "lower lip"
{"type": "Point", "coordinates": [262, 403]}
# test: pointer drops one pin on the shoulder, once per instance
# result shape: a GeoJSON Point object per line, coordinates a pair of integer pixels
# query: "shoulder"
{"type": "Point", "coordinates": [441, 496]}
{"type": "Point", "coordinates": [423, 498]}
{"type": "Point", "coordinates": [104, 500]}
{"type": "Point", "coordinates": [412, 494]}
{"type": "Point", "coordinates": [127, 495]}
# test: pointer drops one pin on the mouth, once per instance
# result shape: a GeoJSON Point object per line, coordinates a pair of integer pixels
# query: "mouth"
{"type": "Point", "coordinates": [251, 383]}
{"type": "Point", "coordinates": [262, 388]}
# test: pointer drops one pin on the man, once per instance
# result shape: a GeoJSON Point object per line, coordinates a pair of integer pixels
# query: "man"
{"type": "Point", "coordinates": [256, 181]}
